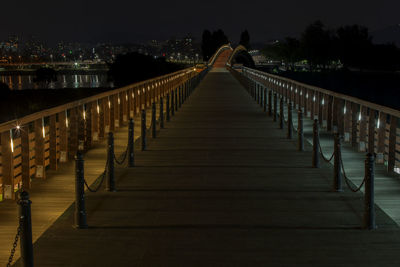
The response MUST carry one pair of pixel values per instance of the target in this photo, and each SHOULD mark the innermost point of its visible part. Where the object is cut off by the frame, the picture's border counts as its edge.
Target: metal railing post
(290, 121)
(167, 106)
(26, 245)
(176, 99)
(265, 99)
(172, 104)
(180, 96)
(110, 185)
(161, 113)
(275, 106)
(153, 120)
(315, 155)
(270, 102)
(131, 142)
(337, 174)
(300, 131)
(143, 128)
(80, 210)
(281, 118)
(369, 212)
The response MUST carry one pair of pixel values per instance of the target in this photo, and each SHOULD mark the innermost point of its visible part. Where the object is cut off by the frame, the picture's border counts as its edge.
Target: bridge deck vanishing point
(221, 186)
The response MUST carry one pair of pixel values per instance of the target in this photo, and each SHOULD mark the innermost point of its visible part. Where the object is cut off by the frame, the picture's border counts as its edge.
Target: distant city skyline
(119, 21)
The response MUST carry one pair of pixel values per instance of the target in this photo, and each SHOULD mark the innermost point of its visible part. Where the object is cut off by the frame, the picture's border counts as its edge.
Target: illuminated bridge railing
(367, 126)
(32, 144)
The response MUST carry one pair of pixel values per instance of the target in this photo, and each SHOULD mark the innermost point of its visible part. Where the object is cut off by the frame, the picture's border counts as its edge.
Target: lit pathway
(221, 186)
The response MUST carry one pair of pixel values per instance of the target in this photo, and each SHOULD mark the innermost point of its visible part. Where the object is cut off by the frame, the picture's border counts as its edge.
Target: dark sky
(121, 20)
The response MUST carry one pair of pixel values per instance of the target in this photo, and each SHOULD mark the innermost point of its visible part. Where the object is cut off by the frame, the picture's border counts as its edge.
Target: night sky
(130, 21)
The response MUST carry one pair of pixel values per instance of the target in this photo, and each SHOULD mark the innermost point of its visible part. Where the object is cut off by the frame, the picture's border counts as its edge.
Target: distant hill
(389, 34)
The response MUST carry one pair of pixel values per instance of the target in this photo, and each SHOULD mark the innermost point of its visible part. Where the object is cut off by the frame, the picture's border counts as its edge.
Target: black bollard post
(131, 142)
(25, 224)
(153, 120)
(270, 102)
(275, 106)
(143, 128)
(281, 118)
(300, 132)
(315, 155)
(167, 106)
(369, 212)
(290, 121)
(337, 174)
(80, 210)
(161, 113)
(110, 185)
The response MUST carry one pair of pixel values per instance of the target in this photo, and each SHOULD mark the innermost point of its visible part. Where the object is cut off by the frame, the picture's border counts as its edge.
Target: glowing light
(307, 95)
(323, 101)
(126, 97)
(133, 95)
(119, 101)
(301, 92)
(359, 116)
(11, 141)
(144, 90)
(18, 127)
(313, 99)
(295, 91)
(43, 129)
(66, 118)
(378, 123)
(344, 110)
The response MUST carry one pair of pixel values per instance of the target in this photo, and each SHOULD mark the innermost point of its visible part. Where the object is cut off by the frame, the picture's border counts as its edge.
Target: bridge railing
(367, 126)
(35, 143)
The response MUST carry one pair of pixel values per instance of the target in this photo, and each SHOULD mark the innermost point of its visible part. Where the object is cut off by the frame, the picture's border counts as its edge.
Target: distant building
(258, 57)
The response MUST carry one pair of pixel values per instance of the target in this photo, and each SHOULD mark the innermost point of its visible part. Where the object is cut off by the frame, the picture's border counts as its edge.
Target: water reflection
(21, 82)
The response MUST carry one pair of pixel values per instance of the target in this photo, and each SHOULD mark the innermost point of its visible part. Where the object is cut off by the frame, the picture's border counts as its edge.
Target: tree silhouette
(134, 67)
(206, 45)
(245, 39)
(316, 43)
(46, 76)
(211, 42)
(353, 43)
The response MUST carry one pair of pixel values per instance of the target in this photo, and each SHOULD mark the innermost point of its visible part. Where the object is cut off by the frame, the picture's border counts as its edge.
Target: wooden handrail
(361, 102)
(6, 126)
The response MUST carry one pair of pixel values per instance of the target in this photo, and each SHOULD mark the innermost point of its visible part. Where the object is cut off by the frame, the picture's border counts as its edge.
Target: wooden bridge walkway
(220, 186)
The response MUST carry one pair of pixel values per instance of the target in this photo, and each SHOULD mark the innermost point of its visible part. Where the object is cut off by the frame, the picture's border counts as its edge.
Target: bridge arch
(216, 55)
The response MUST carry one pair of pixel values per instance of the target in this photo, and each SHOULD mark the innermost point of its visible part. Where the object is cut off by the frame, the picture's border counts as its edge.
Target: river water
(22, 82)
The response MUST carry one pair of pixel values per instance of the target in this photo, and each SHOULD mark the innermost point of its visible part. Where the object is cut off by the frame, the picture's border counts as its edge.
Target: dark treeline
(351, 46)
(134, 67)
(211, 42)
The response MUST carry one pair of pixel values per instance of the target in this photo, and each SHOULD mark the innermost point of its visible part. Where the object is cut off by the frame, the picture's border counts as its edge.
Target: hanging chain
(14, 246)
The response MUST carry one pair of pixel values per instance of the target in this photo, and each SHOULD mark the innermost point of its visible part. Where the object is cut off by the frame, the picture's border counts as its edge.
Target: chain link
(14, 246)
(122, 158)
(347, 180)
(322, 154)
(101, 176)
